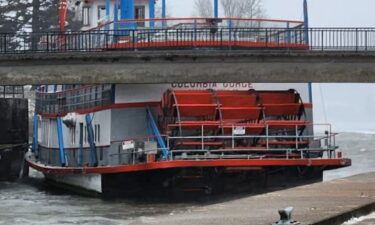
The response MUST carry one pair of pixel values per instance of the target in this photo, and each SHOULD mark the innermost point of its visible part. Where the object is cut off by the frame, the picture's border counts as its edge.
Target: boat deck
(170, 164)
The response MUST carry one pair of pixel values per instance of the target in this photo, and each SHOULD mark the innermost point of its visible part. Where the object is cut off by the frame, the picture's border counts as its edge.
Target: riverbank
(332, 202)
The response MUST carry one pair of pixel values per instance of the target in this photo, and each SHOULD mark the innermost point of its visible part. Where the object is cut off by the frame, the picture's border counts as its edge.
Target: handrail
(224, 38)
(328, 136)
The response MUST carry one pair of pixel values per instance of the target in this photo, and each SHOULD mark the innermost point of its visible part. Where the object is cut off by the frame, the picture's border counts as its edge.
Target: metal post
(202, 137)
(47, 42)
(5, 43)
(287, 33)
(195, 31)
(297, 146)
(171, 153)
(81, 144)
(356, 39)
(232, 137)
(60, 138)
(306, 21)
(366, 40)
(90, 136)
(230, 32)
(322, 31)
(163, 12)
(35, 132)
(267, 141)
(151, 5)
(216, 8)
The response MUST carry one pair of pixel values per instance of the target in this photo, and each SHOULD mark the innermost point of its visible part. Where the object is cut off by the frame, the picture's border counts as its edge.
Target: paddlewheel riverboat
(191, 137)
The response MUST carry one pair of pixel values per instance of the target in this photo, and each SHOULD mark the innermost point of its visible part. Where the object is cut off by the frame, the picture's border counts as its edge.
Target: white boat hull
(88, 182)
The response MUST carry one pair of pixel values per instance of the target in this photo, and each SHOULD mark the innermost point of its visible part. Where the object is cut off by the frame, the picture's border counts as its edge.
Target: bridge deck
(187, 66)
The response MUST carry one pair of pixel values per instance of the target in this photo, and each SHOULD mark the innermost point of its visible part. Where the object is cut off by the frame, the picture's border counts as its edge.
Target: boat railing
(12, 91)
(73, 100)
(313, 145)
(321, 145)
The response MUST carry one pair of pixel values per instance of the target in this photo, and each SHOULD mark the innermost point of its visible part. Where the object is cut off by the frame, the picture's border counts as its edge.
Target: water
(360, 147)
(363, 220)
(31, 202)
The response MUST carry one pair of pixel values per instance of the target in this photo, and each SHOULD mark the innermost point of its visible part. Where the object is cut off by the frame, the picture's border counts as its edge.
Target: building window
(101, 12)
(139, 14)
(86, 16)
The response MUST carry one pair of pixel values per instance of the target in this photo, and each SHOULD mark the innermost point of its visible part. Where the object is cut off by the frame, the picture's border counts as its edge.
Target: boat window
(95, 132)
(85, 134)
(81, 134)
(98, 133)
(72, 135)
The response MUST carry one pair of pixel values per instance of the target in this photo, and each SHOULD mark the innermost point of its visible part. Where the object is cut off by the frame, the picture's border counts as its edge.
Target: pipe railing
(328, 146)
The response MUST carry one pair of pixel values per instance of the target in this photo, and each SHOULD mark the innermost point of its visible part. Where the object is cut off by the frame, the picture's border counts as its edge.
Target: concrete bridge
(187, 66)
(185, 55)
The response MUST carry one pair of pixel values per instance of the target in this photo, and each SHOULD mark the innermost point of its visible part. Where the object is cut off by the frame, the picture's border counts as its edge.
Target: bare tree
(203, 8)
(242, 8)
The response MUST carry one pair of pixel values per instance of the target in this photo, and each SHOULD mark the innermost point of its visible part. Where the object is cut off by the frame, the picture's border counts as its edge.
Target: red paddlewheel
(191, 112)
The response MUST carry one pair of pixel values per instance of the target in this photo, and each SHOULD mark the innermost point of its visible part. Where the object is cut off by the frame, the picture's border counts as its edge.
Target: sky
(323, 13)
(349, 107)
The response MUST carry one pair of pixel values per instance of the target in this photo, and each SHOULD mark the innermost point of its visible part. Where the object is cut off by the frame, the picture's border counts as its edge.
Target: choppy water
(30, 202)
(361, 149)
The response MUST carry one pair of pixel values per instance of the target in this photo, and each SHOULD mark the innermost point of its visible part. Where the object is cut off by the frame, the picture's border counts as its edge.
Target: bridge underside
(186, 66)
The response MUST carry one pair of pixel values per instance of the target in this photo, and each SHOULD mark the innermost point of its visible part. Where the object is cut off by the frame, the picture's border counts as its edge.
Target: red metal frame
(210, 43)
(297, 22)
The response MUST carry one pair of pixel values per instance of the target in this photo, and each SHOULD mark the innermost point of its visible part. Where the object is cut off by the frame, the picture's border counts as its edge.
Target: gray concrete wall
(187, 66)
